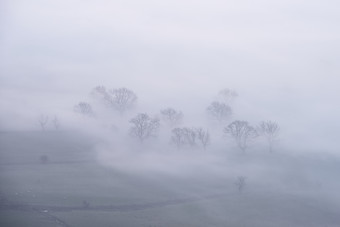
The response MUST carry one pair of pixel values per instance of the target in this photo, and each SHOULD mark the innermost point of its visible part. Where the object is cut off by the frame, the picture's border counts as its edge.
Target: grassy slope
(284, 193)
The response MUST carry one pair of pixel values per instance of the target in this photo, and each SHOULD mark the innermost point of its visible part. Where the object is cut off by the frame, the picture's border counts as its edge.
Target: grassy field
(74, 188)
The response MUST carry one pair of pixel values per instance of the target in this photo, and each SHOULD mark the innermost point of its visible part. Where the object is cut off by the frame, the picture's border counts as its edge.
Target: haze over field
(281, 58)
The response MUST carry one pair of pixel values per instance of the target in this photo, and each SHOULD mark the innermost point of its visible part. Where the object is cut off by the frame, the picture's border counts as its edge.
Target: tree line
(144, 127)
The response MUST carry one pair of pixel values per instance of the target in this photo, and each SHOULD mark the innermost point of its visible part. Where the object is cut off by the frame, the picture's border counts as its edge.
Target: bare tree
(43, 120)
(189, 136)
(203, 137)
(240, 183)
(171, 116)
(177, 137)
(219, 111)
(242, 132)
(144, 127)
(227, 95)
(121, 99)
(84, 108)
(270, 130)
(99, 92)
(184, 137)
(56, 123)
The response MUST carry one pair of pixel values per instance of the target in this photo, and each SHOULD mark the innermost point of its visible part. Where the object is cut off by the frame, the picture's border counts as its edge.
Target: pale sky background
(281, 56)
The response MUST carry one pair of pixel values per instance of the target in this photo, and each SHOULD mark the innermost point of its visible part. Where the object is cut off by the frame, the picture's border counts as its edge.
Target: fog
(281, 58)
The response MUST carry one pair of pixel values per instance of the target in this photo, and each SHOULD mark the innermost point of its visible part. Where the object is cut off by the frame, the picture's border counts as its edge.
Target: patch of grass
(23, 218)
(270, 198)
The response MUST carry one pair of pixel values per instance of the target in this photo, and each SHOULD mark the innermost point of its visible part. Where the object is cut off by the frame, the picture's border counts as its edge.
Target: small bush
(86, 204)
(44, 159)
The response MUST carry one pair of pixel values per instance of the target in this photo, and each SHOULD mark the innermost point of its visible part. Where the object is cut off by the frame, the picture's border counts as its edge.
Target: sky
(280, 56)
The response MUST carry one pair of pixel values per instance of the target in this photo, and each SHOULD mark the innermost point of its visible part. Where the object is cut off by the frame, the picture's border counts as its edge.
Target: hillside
(75, 185)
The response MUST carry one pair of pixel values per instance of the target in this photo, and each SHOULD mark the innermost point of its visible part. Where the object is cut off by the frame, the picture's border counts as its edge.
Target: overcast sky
(281, 56)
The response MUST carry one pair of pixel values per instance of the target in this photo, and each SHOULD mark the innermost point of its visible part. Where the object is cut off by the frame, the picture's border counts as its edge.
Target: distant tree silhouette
(144, 127)
(177, 137)
(119, 99)
(56, 123)
(43, 120)
(190, 137)
(242, 132)
(203, 137)
(84, 108)
(227, 96)
(99, 92)
(270, 130)
(240, 183)
(219, 111)
(171, 116)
